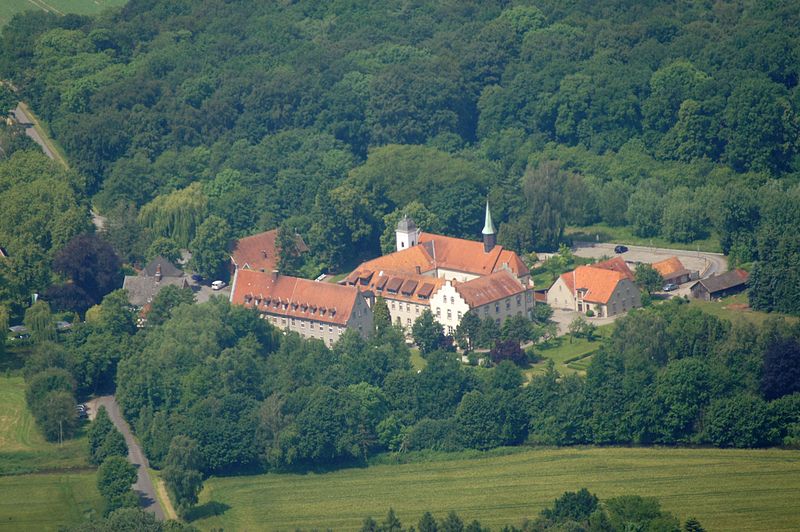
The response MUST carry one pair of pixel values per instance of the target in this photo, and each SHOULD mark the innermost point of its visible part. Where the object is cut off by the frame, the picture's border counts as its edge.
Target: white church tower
(407, 233)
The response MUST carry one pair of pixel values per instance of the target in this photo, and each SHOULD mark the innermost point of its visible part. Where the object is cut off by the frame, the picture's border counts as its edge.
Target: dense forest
(248, 398)
(678, 120)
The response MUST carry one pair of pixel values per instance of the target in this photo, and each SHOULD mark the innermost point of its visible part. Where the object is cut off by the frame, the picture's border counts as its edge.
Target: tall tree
(209, 248)
(182, 472)
(427, 333)
(40, 322)
(91, 263)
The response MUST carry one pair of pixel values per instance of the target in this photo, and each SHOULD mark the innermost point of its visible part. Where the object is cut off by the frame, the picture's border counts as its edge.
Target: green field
(44, 502)
(22, 447)
(82, 7)
(62, 492)
(724, 489)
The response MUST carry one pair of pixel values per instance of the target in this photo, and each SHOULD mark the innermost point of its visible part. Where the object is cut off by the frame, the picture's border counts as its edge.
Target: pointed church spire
(488, 226)
(488, 232)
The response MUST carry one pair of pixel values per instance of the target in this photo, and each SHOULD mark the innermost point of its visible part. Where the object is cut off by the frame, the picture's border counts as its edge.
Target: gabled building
(407, 295)
(312, 309)
(716, 286)
(604, 291)
(617, 264)
(260, 252)
(456, 259)
(157, 274)
(448, 275)
(672, 270)
(498, 296)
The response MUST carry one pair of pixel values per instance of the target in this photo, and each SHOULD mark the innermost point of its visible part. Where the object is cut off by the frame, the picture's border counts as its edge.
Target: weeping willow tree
(176, 215)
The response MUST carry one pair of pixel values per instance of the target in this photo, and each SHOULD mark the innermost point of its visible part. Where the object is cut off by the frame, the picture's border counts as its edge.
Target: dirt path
(144, 484)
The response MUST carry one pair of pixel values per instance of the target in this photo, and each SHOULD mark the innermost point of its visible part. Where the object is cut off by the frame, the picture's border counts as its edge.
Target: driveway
(564, 317)
(705, 263)
(144, 485)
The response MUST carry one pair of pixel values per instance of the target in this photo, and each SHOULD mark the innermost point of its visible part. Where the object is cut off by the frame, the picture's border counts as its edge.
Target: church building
(448, 275)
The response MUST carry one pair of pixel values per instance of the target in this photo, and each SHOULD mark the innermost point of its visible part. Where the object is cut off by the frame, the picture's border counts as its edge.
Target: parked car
(620, 249)
(196, 277)
(669, 287)
(218, 285)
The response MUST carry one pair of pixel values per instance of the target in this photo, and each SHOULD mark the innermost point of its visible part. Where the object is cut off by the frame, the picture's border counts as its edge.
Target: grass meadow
(23, 449)
(47, 501)
(42, 485)
(9, 8)
(725, 489)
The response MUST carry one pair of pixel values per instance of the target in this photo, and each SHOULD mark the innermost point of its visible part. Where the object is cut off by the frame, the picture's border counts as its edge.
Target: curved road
(144, 485)
(702, 261)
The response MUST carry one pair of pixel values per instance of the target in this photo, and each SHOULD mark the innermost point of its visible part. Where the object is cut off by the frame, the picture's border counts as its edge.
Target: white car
(218, 285)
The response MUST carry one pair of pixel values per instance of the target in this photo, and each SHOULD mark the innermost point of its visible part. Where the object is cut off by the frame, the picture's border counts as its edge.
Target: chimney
(158, 273)
(274, 275)
(418, 270)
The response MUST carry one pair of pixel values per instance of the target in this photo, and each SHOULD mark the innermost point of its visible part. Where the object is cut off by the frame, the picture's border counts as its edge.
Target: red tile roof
(468, 255)
(599, 283)
(400, 286)
(406, 260)
(260, 252)
(617, 264)
(485, 290)
(670, 268)
(294, 297)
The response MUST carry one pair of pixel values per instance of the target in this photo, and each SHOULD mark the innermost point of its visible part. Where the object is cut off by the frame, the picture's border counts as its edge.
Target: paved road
(26, 122)
(706, 263)
(144, 485)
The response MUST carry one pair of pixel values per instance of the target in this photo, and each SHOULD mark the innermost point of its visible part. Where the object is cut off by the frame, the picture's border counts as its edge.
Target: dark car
(669, 287)
(197, 278)
(620, 249)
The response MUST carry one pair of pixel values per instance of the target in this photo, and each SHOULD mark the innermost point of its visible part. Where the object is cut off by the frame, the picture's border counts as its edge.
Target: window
(486, 311)
(311, 325)
(302, 324)
(416, 308)
(438, 312)
(449, 314)
(408, 321)
(508, 304)
(392, 304)
(519, 300)
(497, 308)
(452, 300)
(330, 328)
(459, 315)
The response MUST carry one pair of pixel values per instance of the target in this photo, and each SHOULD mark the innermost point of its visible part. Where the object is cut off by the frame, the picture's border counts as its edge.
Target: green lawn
(724, 489)
(417, 362)
(44, 502)
(735, 308)
(569, 357)
(82, 7)
(22, 447)
(623, 235)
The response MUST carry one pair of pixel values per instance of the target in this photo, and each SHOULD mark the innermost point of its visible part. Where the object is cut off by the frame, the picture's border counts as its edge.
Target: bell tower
(407, 233)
